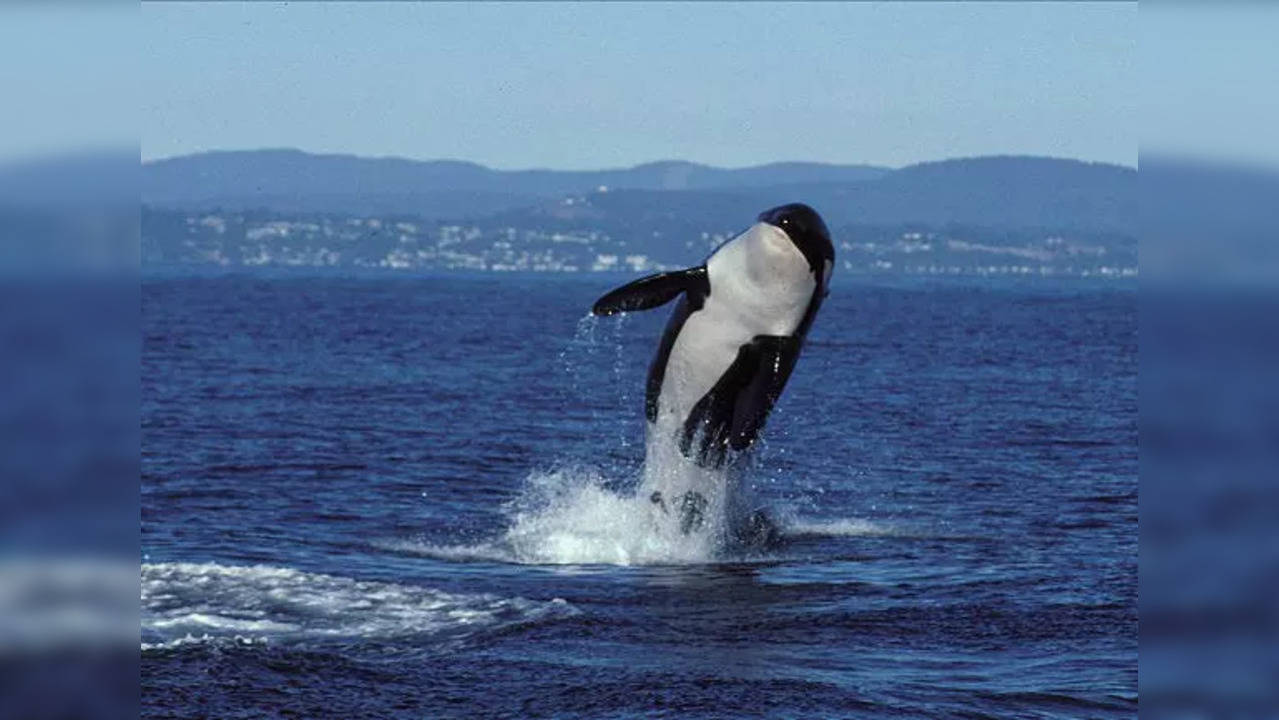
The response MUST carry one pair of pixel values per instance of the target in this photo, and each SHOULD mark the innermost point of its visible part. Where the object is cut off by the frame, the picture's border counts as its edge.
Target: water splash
(577, 516)
(597, 386)
(671, 511)
(620, 380)
(572, 516)
(581, 516)
(576, 358)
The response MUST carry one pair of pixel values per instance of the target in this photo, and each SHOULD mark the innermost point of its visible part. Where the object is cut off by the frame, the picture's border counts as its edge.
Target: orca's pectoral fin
(732, 413)
(776, 357)
(650, 292)
(711, 419)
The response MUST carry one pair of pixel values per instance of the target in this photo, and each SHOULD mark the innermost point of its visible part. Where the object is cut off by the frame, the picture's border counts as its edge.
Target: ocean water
(413, 497)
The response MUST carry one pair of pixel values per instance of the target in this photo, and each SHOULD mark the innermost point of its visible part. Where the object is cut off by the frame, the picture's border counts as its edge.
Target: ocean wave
(202, 640)
(192, 604)
(836, 527)
(478, 552)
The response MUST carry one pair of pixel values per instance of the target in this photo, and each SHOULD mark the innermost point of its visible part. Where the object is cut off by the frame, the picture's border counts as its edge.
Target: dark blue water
(407, 497)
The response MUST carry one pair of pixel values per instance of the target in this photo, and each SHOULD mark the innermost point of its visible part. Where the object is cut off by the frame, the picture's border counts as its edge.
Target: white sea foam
(202, 639)
(186, 603)
(572, 517)
(838, 527)
(575, 516)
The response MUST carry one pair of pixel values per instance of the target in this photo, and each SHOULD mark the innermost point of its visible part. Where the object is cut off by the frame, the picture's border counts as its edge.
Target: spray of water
(672, 511)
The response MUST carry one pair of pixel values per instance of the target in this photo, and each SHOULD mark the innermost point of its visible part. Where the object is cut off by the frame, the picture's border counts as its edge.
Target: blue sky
(613, 84)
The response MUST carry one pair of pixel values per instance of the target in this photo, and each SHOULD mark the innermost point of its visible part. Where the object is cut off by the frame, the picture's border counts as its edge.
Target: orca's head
(806, 230)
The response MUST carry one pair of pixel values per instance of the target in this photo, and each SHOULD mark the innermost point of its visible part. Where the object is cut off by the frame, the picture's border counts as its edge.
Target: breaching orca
(736, 333)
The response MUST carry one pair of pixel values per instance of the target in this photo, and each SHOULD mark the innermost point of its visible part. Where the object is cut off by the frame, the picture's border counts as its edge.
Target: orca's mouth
(775, 239)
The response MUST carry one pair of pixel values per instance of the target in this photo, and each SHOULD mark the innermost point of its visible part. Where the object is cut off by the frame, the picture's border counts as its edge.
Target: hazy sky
(606, 85)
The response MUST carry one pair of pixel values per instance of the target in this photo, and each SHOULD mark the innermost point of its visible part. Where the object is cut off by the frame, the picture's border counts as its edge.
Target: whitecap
(189, 603)
(834, 527)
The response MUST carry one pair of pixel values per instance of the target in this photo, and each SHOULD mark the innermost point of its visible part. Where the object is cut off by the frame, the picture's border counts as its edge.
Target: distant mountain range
(994, 192)
(991, 215)
(985, 215)
(289, 172)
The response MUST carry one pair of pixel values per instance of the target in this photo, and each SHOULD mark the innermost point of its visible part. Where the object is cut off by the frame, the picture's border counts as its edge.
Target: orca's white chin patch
(773, 239)
(769, 260)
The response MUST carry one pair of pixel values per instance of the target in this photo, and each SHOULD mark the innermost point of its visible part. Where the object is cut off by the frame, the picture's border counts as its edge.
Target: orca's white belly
(705, 348)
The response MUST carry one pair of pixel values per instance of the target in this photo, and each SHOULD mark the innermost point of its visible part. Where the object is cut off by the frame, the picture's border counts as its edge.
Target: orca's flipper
(652, 291)
(777, 357)
(732, 413)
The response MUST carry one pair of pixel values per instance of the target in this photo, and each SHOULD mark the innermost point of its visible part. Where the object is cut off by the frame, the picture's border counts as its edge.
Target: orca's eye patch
(790, 218)
(789, 222)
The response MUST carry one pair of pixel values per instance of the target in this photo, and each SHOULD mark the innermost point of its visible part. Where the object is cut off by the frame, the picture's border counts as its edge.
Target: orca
(734, 337)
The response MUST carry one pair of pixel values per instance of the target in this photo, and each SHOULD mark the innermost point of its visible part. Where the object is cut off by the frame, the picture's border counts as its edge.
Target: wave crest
(189, 603)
